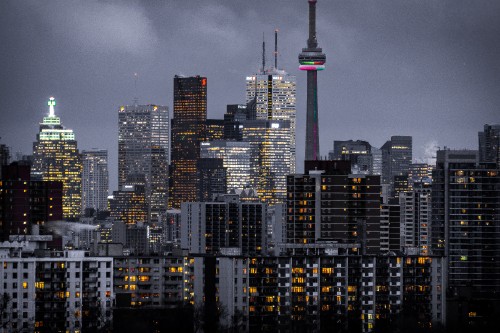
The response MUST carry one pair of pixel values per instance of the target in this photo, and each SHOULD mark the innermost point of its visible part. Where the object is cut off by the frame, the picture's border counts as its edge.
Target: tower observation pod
(312, 60)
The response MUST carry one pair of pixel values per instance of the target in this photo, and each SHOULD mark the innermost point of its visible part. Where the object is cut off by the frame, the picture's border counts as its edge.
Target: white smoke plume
(63, 227)
(430, 149)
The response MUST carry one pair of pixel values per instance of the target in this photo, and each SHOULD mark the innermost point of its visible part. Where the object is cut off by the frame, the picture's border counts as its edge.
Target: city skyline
(427, 70)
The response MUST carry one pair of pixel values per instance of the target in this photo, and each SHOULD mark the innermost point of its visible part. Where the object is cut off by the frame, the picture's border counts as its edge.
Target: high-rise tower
(188, 131)
(95, 180)
(312, 59)
(143, 145)
(56, 158)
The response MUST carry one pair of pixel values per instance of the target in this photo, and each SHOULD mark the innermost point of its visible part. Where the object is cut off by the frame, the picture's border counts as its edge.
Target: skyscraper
(188, 131)
(95, 180)
(274, 91)
(56, 158)
(311, 60)
(396, 159)
(271, 163)
(143, 146)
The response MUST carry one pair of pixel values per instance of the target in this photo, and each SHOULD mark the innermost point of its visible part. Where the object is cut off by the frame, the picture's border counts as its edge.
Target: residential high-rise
(329, 204)
(49, 291)
(227, 222)
(311, 60)
(95, 180)
(489, 144)
(56, 158)
(329, 293)
(416, 219)
(390, 227)
(466, 230)
(143, 149)
(188, 131)
(25, 202)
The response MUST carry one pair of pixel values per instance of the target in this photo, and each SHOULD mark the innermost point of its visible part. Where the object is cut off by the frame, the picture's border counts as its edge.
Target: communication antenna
(276, 49)
(136, 77)
(263, 54)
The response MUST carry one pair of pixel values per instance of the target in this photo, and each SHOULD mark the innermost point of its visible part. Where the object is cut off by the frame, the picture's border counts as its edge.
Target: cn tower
(312, 60)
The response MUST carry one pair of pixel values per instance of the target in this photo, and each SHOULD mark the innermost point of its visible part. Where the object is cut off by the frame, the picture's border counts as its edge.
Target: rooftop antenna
(276, 49)
(136, 99)
(263, 54)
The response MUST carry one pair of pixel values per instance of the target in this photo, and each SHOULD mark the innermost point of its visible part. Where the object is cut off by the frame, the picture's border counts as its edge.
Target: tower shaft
(312, 127)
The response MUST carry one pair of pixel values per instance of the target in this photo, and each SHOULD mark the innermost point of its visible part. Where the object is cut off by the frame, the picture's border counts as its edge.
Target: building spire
(136, 99)
(51, 104)
(312, 42)
(276, 49)
(263, 54)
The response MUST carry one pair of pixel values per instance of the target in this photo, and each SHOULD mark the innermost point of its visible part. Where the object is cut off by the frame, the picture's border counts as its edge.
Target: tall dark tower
(312, 60)
(188, 131)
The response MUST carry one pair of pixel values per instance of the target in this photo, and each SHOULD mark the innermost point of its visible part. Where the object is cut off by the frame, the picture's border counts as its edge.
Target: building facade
(228, 222)
(236, 158)
(328, 204)
(61, 291)
(323, 293)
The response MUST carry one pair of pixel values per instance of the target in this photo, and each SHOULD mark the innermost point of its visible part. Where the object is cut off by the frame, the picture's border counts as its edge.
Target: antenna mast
(263, 54)
(136, 99)
(276, 49)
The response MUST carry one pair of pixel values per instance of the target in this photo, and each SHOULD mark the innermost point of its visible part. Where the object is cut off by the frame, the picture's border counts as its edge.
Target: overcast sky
(425, 68)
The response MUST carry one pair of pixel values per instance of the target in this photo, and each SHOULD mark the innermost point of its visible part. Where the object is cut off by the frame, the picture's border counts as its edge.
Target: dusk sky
(426, 68)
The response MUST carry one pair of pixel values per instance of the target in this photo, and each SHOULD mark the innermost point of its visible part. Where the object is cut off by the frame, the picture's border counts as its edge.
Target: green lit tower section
(56, 158)
(312, 59)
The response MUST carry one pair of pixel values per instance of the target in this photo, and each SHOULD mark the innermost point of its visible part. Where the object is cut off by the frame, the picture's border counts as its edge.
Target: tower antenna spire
(276, 49)
(263, 54)
(136, 77)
